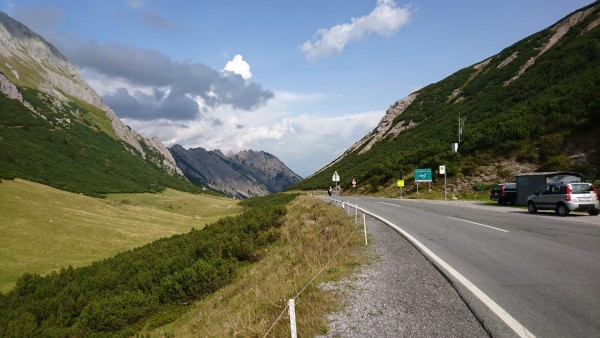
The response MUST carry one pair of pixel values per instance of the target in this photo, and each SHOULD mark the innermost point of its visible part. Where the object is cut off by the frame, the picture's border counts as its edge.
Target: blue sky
(303, 80)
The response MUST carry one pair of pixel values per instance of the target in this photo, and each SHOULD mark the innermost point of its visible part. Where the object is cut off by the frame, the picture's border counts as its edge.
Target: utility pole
(461, 123)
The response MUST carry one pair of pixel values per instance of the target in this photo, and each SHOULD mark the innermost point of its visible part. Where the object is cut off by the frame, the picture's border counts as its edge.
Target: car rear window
(581, 188)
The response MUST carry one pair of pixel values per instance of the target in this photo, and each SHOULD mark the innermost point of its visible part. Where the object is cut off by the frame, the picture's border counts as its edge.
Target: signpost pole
(445, 196)
(443, 171)
(336, 179)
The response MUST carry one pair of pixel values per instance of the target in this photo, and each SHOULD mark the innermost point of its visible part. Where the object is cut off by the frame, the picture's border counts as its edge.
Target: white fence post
(365, 226)
(292, 309)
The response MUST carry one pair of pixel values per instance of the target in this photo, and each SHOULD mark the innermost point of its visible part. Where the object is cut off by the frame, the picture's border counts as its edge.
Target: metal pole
(445, 188)
(365, 227)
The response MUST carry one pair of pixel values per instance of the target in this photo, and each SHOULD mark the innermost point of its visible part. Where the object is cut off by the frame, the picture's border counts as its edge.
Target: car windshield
(581, 188)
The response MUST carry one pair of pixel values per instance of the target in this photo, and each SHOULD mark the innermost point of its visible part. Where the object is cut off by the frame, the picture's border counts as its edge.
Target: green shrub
(479, 187)
(115, 296)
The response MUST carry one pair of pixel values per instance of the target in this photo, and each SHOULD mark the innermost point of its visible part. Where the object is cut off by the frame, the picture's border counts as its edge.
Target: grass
(43, 229)
(312, 233)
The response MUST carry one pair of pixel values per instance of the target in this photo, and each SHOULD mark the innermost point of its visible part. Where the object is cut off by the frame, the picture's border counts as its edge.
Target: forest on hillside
(549, 116)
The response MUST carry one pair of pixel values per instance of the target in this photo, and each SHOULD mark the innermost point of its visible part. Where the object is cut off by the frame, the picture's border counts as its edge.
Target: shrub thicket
(115, 296)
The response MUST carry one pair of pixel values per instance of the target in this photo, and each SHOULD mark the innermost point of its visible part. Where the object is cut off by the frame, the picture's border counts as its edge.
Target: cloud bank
(154, 86)
(386, 19)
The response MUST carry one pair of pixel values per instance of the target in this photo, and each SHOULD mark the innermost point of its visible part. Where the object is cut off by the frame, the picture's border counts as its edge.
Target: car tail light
(568, 192)
(503, 193)
(595, 192)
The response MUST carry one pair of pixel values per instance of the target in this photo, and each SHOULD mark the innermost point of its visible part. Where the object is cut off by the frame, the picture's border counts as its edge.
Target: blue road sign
(423, 175)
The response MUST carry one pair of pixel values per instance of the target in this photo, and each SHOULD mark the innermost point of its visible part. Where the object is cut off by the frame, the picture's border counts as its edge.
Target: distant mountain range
(245, 174)
(533, 106)
(54, 129)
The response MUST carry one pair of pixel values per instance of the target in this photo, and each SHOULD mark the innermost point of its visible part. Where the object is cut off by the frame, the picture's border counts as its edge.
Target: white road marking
(483, 225)
(517, 327)
(394, 205)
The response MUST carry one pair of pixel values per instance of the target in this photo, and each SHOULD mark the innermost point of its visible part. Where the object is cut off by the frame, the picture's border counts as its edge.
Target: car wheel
(500, 202)
(531, 208)
(594, 212)
(562, 210)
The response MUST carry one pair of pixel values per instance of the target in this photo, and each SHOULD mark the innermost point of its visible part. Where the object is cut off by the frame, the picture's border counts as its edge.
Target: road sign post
(423, 175)
(443, 171)
(336, 179)
(401, 184)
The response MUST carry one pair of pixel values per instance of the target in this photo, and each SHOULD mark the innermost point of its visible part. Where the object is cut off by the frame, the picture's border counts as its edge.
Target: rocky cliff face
(267, 168)
(27, 60)
(245, 174)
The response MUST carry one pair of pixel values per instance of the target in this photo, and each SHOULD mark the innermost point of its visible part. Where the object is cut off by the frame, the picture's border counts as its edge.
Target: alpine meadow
(105, 232)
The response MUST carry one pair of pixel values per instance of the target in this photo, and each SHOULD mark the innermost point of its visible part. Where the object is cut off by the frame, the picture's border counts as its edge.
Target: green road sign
(423, 175)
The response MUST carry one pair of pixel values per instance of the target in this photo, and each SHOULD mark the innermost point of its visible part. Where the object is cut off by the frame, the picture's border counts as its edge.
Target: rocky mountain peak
(30, 61)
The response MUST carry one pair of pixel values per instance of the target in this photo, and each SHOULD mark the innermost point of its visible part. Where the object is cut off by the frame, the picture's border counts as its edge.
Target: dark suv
(504, 193)
(565, 197)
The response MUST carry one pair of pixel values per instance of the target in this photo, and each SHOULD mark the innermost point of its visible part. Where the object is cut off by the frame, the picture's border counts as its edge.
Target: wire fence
(343, 204)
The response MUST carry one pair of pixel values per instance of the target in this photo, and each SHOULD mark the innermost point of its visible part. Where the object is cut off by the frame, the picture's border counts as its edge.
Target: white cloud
(238, 66)
(304, 141)
(384, 20)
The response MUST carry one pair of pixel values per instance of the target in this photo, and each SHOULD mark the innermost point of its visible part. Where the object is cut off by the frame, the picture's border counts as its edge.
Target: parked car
(564, 198)
(504, 193)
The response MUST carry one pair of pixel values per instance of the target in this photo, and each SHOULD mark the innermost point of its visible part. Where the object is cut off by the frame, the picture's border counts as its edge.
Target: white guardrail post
(292, 310)
(365, 226)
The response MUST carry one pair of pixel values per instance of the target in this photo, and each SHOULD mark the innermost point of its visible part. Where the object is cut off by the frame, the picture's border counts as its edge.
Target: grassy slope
(548, 114)
(43, 229)
(312, 233)
(70, 149)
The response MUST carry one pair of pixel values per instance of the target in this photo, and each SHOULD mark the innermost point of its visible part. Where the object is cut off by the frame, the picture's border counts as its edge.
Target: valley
(44, 229)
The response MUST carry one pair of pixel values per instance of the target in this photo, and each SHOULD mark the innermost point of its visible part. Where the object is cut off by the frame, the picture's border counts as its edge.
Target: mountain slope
(55, 129)
(536, 102)
(267, 168)
(246, 174)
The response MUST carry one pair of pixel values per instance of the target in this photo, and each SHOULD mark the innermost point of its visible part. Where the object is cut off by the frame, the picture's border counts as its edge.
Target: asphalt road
(521, 274)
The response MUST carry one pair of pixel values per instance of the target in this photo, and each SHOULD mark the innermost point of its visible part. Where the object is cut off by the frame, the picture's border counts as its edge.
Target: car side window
(544, 190)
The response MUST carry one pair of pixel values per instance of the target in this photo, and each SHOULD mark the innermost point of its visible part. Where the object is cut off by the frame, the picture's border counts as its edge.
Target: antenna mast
(461, 123)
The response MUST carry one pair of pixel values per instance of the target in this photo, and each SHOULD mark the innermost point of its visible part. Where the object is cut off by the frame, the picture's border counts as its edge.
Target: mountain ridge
(244, 174)
(29, 51)
(55, 100)
(533, 103)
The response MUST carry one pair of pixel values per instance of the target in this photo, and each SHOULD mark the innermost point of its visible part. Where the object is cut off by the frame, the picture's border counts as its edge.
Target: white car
(564, 198)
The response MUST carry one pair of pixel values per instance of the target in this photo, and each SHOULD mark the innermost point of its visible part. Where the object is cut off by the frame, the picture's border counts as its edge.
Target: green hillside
(548, 116)
(44, 229)
(72, 147)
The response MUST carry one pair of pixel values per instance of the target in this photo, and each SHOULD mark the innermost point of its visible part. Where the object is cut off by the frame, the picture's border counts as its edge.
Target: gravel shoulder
(399, 294)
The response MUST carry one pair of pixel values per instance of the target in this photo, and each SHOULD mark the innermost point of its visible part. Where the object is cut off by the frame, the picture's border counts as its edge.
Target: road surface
(522, 274)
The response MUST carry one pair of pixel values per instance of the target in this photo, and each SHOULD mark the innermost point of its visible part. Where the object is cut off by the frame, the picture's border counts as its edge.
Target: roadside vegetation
(268, 253)
(311, 235)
